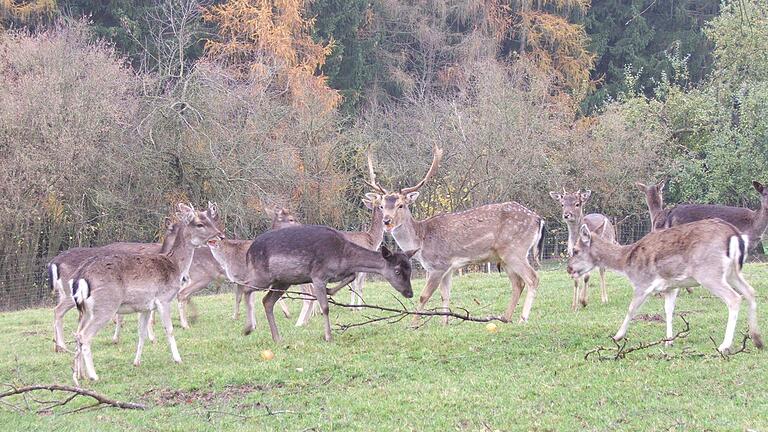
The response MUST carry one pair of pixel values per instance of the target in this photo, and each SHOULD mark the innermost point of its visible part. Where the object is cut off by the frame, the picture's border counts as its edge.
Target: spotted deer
(573, 215)
(302, 254)
(370, 239)
(504, 233)
(132, 283)
(751, 223)
(709, 253)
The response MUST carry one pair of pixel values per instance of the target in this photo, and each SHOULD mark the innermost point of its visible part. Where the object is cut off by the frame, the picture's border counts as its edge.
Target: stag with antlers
(504, 233)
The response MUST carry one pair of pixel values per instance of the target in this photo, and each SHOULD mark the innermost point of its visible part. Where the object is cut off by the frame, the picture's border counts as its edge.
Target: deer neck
(410, 234)
(376, 230)
(655, 205)
(573, 233)
(760, 220)
(231, 257)
(181, 253)
(608, 255)
(362, 260)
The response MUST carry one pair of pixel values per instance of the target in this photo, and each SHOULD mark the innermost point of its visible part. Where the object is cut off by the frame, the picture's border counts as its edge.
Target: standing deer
(303, 254)
(573, 215)
(655, 202)
(750, 222)
(124, 284)
(370, 239)
(708, 252)
(503, 232)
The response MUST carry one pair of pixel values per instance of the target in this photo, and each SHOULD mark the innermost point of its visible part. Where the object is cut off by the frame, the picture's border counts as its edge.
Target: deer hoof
(247, 331)
(757, 340)
(523, 320)
(59, 348)
(725, 350)
(668, 343)
(137, 363)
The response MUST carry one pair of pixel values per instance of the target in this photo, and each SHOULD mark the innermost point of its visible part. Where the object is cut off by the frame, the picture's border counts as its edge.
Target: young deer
(750, 222)
(655, 202)
(504, 232)
(303, 254)
(370, 239)
(573, 215)
(709, 252)
(137, 283)
(63, 267)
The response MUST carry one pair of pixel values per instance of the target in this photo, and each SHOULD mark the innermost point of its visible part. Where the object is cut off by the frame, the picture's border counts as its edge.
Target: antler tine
(437, 155)
(372, 175)
(564, 192)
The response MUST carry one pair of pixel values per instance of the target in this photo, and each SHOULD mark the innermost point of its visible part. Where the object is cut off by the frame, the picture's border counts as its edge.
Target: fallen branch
(728, 355)
(620, 351)
(100, 400)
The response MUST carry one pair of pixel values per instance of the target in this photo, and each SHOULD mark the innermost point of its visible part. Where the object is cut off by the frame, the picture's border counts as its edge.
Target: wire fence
(24, 279)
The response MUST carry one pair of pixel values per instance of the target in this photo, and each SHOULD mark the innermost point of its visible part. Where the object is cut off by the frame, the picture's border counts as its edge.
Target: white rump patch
(733, 248)
(83, 291)
(54, 272)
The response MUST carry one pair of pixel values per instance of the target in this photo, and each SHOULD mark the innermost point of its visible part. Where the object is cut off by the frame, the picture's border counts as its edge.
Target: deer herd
(689, 245)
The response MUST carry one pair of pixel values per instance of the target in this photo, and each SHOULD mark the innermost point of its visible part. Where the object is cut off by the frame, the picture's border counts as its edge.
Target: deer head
(395, 205)
(763, 191)
(653, 192)
(281, 217)
(398, 270)
(200, 227)
(582, 259)
(572, 203)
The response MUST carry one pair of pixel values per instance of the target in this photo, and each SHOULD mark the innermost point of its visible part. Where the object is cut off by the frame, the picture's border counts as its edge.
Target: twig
(100, 399)
(728, 355)
(620, 351)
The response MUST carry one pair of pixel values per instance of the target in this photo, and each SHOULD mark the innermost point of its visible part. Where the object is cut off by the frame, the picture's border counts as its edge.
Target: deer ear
(411, 253)
(555, 196)
(213, 210)
(758, 187)
(368, 204)
(411, 197)
(641, 186)
(660, 185)
(585, 195)
(186, 212)
(373, 197)
(585, 235)
(167, 223)
(385, 252)
(270, 211)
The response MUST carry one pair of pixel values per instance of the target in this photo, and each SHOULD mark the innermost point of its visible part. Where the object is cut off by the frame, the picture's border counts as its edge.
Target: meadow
(388, 376)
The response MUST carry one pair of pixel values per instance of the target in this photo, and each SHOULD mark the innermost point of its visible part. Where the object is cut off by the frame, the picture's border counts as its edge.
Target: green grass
(390, 377)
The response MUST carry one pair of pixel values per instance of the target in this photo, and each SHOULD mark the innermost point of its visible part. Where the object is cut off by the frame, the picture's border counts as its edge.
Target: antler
(437, 155)
(372, 174)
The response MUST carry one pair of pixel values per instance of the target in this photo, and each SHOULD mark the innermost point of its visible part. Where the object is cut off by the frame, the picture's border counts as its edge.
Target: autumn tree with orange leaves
(269, 41)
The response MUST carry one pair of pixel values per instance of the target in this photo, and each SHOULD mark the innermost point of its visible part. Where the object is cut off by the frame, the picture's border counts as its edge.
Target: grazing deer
(708, 252)
(504, 232)
(573, 215)
(205, 269)
(370, 239)
(750, 222)
(303, 254)
(655, 202)
(112, 284)
(64, 266)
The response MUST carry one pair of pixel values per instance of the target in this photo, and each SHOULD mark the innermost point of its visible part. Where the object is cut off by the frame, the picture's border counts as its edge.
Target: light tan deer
(573, 215)
(655, 200)
(503, 233)
(709, 252)
(133, 283)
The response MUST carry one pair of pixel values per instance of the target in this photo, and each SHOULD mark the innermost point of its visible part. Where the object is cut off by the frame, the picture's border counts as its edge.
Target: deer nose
(567, 216)
(387, 221)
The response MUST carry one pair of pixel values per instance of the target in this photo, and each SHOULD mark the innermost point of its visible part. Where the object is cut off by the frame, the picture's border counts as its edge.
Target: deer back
(739, 217)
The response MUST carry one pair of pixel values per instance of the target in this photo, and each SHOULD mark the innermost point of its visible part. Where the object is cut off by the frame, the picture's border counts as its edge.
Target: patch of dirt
(172, 397)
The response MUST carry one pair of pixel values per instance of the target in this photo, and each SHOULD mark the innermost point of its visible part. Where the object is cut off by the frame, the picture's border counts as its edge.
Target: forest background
(113, 111)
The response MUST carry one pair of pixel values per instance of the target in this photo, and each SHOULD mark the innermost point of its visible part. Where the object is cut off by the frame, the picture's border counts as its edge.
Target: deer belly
(682, 282)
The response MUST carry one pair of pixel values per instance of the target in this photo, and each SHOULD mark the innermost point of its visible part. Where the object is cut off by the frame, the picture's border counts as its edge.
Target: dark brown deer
(112, 284)
(709, 253)
(503, 233)
(308, 253)
(573, 215)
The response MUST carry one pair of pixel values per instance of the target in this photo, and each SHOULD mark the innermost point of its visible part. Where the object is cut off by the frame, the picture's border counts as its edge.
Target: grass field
(391, 377)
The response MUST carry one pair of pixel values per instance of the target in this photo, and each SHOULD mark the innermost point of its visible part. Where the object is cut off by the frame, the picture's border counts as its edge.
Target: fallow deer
(708, 252)
(370, 239)
(503, 232)
(303, 254)
(573, 215)
(655, 201)
(751, 223)
(133, 283)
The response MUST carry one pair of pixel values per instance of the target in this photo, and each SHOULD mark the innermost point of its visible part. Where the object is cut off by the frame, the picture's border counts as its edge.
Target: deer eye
(200, 225)
(397, 272)
(400, 206)
(577, 205)
(575, 252)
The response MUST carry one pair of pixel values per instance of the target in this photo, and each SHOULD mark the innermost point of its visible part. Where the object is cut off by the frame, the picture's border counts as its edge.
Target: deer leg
(445, 294)
(307, 303)
(357, 291)
(93, 321)
(143, 325)
(119, 319)
(524, 270)
(603, 290)
(744, 288)
(318, 287)
(517, 289)
(165, 316)
(64, 305)
(575, 300)
(238, 297)
(151, 327)
(182, 311)
(250, 317)
(269, 300)
(732, 300)
(638, 298)
(669, 310)
(284, 308)
(584, 293)
(433, 280)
